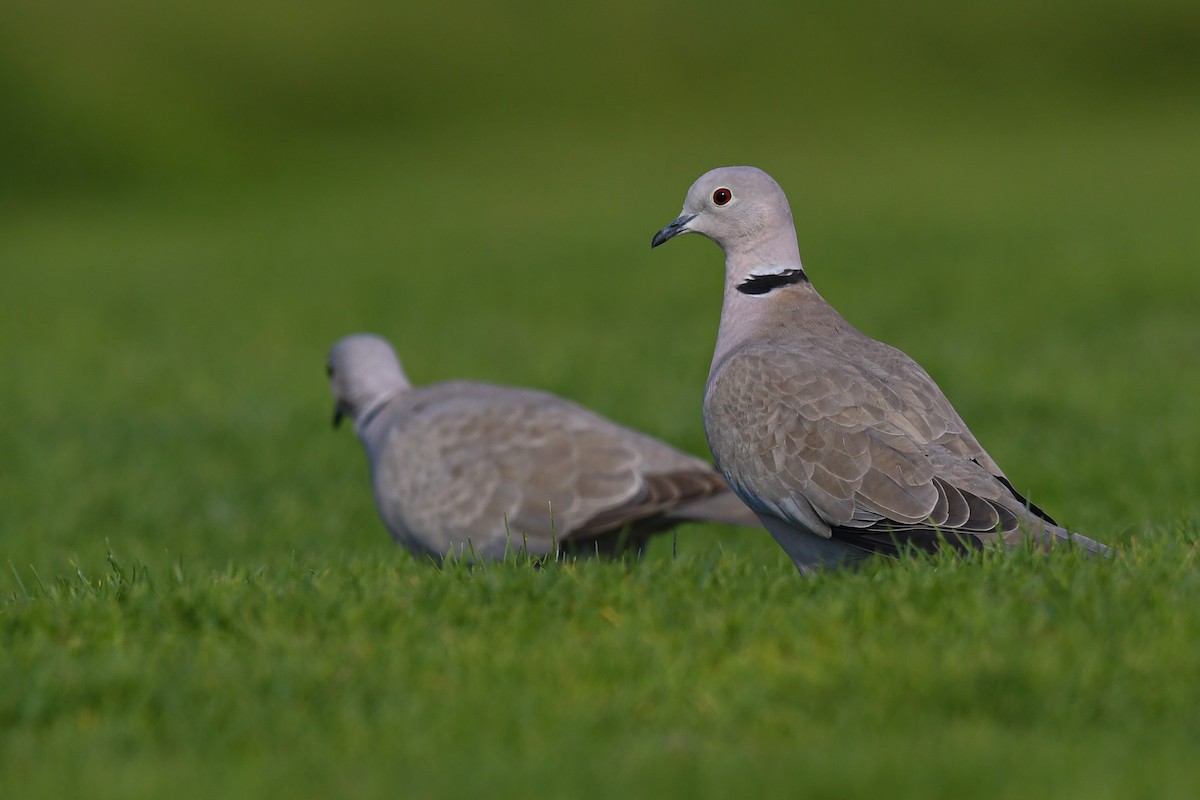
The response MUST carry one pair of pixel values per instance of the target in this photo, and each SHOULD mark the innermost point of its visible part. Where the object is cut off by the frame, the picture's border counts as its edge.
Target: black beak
(339, 414)
(674, 229)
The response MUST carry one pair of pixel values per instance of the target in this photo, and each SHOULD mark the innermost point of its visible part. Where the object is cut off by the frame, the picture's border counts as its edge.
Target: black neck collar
(762, 284)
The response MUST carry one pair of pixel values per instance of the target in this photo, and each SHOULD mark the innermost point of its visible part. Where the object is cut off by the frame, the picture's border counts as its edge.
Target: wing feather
(870, 444)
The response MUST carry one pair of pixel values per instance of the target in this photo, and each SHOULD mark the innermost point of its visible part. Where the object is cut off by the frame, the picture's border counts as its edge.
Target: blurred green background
(196, 199)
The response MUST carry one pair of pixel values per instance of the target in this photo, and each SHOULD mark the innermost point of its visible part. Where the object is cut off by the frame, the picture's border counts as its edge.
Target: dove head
(364, 373)
(744, 211)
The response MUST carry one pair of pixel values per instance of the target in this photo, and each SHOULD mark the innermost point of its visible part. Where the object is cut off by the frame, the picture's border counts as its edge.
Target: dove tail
(1056, 536)
(725, 508)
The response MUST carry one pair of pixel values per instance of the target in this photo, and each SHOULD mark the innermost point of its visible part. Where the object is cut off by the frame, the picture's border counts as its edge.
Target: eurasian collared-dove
(842, 445)
(478, 470)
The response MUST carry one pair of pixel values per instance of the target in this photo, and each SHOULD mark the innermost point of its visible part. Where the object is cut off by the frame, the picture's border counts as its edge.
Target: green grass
(196, 594)
(362, 676)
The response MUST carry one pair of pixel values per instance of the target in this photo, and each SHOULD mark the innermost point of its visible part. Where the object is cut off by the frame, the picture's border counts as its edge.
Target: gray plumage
(475, 469)
(843, 446)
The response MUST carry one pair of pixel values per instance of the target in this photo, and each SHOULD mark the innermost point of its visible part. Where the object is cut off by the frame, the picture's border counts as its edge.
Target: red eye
(722, 196)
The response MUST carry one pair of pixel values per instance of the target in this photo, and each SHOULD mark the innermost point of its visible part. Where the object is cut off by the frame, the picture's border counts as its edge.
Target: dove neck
(757, 303)
(371, 421)
(764, 249)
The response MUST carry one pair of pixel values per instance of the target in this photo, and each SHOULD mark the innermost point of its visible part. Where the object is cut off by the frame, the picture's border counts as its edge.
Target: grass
(355, 676)
(196, 594)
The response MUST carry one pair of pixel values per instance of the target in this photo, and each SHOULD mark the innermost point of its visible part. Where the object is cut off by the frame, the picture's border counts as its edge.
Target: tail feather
(1056, 536)
(725, 508)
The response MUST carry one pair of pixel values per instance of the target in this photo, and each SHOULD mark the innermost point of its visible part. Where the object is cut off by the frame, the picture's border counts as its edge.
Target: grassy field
(196, 595)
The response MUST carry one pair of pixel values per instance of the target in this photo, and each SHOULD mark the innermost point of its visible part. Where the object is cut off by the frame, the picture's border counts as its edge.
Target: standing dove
(477, 470)
(843, 446)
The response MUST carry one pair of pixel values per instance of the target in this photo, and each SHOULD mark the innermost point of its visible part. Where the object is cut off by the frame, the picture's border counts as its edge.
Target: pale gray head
(364, 373)
(744, 211)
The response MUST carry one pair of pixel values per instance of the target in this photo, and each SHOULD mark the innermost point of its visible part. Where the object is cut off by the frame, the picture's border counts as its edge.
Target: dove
(475, 470)
(842, 445)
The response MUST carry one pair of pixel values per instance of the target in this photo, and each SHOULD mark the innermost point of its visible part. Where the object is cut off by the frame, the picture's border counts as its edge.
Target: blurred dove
(477, 470)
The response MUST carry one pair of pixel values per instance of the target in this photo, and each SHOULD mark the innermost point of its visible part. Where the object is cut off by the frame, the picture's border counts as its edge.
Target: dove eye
(722, 196)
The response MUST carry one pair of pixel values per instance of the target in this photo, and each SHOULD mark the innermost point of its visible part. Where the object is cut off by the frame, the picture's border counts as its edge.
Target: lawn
(196, 594)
